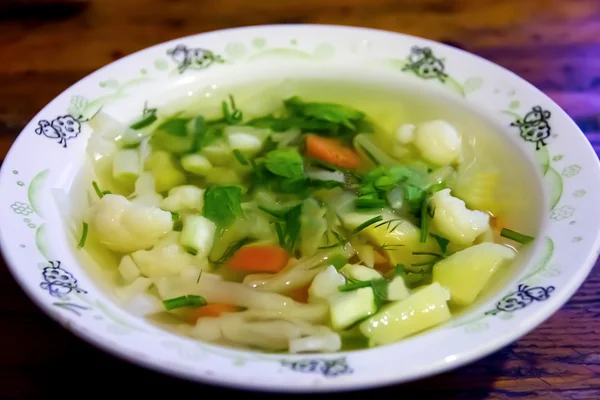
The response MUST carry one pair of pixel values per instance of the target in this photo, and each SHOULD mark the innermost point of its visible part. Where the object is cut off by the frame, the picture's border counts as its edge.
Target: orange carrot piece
(331, 151)
(300, 294)
(379, 258)
(211, 310)
(259, 259)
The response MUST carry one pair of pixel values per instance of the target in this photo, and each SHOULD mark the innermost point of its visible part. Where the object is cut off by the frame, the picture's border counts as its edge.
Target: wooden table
(554, 44)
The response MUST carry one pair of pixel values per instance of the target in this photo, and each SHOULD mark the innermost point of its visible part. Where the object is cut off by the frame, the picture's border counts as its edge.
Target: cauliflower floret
(454, 221)
(167, 258)
(123, 226)
(145, 191)
(405, 134)
(325, 284)
(438, 142)
(184, 198)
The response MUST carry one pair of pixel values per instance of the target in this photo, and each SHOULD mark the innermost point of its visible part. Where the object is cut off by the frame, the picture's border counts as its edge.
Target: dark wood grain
(554, 44)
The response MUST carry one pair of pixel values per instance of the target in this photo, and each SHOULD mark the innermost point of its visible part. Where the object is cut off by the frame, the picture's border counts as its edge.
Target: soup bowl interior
(550, 181)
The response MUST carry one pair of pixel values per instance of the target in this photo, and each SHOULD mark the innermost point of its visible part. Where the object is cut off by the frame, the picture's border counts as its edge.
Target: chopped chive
(354, 285)
(370, 203)
(192, 251)
(177, 223)
(97, 189)
(516, 236)
(83, 235)
(199, 276)
(190, 300)
(240, 157)
(147, 119)
(424, 222)
(367, 223)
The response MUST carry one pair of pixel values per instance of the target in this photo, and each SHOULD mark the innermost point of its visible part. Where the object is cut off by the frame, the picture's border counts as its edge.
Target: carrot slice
(259, 259)
(211, 310)
(331, 151)
(300, 294)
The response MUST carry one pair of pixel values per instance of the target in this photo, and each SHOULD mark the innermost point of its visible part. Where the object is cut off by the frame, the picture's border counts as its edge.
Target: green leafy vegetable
(330, 112)
(84, 233)
(175, 127)
(286, 162)
(321, 118)
(222, 204)
(190, 300)
(204, 132)
(288, 228)
(516, 236)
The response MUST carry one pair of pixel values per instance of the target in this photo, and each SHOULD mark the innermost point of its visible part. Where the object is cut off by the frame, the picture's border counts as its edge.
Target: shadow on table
(40, 9)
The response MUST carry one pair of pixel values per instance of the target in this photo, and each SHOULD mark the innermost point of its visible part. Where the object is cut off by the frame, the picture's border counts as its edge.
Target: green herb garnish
(442, 242)
(379, 286)
(288, 228)
(190, 300)
(286, 162)
(231, 114)
(177, 223)
(148, 117)
(516, 236)
(223, 204)
(99, 192)
(175, 127)
(240, 157)
(348, 287)
(424, 222)
(232, 249)
(367, 223)
(84, 233)
(365, 202)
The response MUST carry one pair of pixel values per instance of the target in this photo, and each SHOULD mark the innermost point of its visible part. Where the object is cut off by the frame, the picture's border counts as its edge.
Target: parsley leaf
(286, 162)
(288, 228)
(223, 204)
(329, 112)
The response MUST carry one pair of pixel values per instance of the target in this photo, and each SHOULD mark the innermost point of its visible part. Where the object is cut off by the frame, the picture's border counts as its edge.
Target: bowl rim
(536, 319)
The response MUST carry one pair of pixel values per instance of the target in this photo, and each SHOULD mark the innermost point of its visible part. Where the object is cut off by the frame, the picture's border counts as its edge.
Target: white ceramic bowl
(50, 150)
